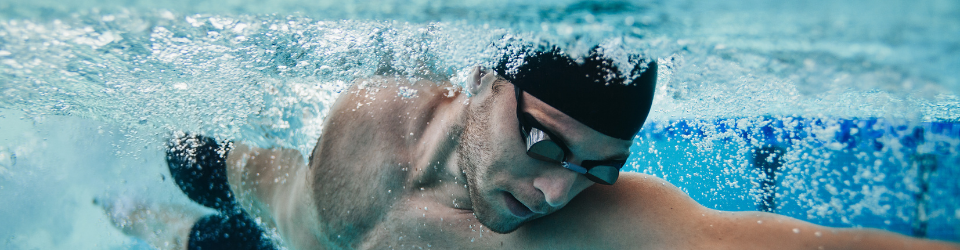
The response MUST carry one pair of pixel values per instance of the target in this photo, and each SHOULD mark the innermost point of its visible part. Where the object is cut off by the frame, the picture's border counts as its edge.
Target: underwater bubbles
(821, 110)
(7, 160)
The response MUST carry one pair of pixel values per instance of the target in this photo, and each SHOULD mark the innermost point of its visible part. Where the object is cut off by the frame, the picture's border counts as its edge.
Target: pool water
(839, 113)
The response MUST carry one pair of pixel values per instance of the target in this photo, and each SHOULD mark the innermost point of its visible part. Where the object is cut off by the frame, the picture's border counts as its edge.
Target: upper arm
(256, 174)
(646, 212)
(757, 230)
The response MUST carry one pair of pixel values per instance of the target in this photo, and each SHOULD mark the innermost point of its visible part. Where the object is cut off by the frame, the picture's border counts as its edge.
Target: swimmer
(527, 155)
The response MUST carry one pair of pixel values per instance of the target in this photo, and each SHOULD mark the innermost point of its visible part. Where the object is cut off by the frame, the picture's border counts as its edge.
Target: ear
(480, 79)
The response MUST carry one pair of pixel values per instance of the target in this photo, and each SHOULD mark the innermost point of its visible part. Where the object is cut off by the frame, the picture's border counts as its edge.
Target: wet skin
(446, 170)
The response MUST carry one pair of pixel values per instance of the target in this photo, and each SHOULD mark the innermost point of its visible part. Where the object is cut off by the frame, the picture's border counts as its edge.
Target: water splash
(841, 86)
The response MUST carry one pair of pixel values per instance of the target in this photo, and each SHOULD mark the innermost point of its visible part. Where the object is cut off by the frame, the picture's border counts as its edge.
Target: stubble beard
(475, 162)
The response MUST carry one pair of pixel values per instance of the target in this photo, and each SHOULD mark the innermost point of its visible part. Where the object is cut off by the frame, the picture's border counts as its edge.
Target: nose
(557, 186)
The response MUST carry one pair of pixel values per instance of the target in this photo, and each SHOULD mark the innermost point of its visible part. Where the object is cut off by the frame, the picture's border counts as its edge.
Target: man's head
(589, 108)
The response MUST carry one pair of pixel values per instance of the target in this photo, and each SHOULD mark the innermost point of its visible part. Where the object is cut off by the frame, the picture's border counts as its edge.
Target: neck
(436, 174)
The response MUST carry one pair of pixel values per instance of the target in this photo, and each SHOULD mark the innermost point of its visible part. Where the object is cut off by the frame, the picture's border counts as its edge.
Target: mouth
(516, 207)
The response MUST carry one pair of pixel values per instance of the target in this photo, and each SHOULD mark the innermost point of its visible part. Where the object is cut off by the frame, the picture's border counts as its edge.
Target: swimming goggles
(541, 147)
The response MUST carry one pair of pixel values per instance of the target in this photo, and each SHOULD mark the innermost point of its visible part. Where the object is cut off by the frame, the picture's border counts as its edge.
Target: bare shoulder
(370, 138)
(385, 113)
(635, 195)
(387, 105)
(639, 211)
(388, 94)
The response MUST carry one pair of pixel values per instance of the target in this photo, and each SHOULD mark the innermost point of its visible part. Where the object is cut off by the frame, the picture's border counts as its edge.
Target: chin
(501, 225)
(506, 229)
(498, 221)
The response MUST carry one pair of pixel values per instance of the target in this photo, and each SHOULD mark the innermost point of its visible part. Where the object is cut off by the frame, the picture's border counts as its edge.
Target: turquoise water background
(859, 95)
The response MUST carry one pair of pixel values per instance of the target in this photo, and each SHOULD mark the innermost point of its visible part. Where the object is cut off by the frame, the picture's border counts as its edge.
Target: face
(507, 187)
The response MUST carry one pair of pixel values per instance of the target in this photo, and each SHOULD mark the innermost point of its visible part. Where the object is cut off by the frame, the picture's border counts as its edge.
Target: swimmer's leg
(198, 166)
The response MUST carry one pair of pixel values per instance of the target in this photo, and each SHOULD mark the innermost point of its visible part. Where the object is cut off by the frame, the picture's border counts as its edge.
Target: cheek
(493, 135)
(508, 154)
(492, 160)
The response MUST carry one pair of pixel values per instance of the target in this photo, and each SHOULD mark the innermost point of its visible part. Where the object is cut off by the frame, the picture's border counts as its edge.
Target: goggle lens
(603, 174)
(540, 147)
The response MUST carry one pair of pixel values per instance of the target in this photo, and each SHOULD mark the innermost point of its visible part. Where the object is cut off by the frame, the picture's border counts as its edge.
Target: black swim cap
(594, 92)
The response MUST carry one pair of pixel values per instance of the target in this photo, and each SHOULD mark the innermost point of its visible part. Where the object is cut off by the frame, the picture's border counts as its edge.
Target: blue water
(836, 172)
(858, 95)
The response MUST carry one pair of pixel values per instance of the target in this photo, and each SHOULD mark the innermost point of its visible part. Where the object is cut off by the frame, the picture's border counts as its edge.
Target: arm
(740, 230)
(261, 170)
(684, 223)
(256, 175)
